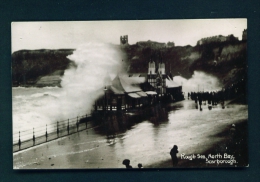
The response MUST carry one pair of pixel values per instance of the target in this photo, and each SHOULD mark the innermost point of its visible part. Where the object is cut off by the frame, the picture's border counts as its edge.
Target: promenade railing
(42, 134)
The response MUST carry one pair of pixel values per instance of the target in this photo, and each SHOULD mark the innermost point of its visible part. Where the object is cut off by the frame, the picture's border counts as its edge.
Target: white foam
(199, 81)
(36, 107)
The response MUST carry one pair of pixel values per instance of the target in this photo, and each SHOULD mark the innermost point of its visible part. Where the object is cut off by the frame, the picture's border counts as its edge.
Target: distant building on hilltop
(244, 35)
(170, 44)
(124, 40)
(151, 44)
(218, 38)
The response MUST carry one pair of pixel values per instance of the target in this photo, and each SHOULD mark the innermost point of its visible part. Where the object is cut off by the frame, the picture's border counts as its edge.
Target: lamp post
(105, 89)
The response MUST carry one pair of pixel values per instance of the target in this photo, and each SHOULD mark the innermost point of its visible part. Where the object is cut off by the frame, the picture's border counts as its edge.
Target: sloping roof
(116, 91)
(109, 89)
(127, 84)
(151, 93)
(116, 84)
(171, 84)
(142, 94)
(134, 95)
(135, 75)
(133, 80)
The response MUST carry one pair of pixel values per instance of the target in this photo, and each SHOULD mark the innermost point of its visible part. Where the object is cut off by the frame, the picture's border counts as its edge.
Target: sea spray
(200, 81)
(81, 85)
(85, 83)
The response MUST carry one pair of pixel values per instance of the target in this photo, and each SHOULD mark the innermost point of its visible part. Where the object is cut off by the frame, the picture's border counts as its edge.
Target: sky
(71, 34)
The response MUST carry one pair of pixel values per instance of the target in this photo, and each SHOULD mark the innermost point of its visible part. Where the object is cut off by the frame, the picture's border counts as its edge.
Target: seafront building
(133, 91)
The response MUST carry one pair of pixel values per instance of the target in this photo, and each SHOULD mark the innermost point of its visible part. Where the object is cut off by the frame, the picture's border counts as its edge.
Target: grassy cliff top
(225, 60)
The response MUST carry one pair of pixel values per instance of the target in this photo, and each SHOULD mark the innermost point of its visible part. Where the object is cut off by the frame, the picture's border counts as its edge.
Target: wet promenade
(147, 141)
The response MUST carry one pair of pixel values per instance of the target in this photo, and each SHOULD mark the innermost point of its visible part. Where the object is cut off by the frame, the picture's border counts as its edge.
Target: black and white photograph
(130, 94)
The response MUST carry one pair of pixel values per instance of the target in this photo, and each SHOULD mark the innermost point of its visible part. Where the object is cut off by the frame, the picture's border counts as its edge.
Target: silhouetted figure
(173, 154)
(223, 105)
(232, 139)
(126, 162)
(209, 98)
(140, 166)
(232, 130)
(213, 98)
(200, 100)
(210, 106)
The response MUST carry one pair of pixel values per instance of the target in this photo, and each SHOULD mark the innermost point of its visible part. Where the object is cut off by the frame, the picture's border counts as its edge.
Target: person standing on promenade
(200, 100)
(173, 154)
(126, 162)
(140, 166)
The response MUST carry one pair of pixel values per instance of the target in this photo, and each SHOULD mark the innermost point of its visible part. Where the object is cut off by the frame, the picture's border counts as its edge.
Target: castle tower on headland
(124, 40)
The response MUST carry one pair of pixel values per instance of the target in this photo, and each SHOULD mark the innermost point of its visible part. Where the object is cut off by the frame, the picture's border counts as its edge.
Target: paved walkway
(146, 142)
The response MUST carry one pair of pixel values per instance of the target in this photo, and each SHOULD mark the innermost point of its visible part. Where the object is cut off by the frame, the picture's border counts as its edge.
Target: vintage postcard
(130, 94)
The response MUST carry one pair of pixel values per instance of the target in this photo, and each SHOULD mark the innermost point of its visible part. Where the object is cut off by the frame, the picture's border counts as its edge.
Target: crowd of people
(213, 98)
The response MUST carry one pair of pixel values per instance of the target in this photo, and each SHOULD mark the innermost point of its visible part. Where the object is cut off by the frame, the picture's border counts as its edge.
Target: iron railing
(36, 136)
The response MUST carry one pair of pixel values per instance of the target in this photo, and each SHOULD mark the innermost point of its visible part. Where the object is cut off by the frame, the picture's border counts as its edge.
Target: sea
(34, 108)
